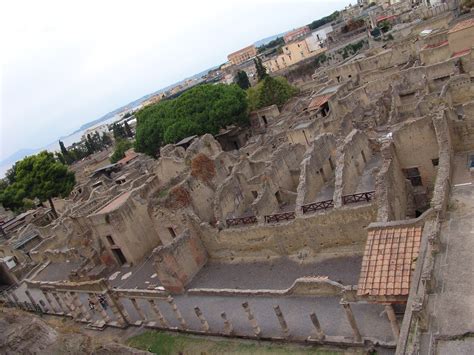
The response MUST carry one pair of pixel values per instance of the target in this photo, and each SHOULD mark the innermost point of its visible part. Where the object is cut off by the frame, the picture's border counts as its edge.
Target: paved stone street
(279, 274)
(451, 307)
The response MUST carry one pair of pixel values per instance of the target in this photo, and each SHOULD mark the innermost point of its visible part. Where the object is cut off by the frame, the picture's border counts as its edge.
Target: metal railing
(240, 221)
(359, 197)
(317, 206)
(275, 218)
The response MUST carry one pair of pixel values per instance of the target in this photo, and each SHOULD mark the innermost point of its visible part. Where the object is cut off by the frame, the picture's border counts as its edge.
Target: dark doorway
(413, 174)
(119, 255)
(236, 145)
(255, 194)
(172, 232)
(265, 122)
(278, 197)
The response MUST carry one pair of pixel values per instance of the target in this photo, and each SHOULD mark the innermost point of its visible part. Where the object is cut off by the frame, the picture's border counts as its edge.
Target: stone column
(10, 299)
(15, 300)
(352, 322)
(281, 320)
(205, 325)
(228, 328)
(61, 303)
(157, 311)
(138, 309)
(32, 300)
(76, 313)
(44, 308)
(319, 334)
(103, 312)
(82, 312)
(393, 321)
(176, 311)
(253, 321)
(117, 308)
(47, 296)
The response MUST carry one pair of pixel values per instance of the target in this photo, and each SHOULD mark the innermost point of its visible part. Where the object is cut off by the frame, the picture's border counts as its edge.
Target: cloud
(66, 63)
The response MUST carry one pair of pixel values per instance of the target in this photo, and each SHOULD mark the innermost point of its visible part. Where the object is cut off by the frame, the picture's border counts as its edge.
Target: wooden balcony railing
(275, 218)
(240, 221)
(360, 197)
(317, 206)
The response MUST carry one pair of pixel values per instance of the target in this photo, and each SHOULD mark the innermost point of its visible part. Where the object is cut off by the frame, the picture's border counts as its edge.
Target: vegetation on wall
(121, 146)
(40, 177)
(270, 91)
(203, 168)
(202, 109)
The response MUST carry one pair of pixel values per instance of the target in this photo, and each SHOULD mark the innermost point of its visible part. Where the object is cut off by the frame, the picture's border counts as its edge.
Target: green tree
(202, 109)
(242, 80)
(119, 131)
(261, 70)
(270, 91)
(128, 130)
(121, 146)
(42, 176)
(67, 158)
(106, 141)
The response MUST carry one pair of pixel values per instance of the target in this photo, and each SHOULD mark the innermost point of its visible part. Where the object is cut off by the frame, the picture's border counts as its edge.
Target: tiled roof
(388, 261)
(436, 45)
(461, 53)
(317, 102)
(462, 25)
(128, 157)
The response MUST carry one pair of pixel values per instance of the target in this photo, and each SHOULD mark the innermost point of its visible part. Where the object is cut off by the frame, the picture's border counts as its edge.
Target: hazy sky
(64, 63)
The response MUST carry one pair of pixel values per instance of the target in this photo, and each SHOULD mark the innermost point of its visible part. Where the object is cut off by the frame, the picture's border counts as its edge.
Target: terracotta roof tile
(318, 101)
(388, 261)
(462, 25)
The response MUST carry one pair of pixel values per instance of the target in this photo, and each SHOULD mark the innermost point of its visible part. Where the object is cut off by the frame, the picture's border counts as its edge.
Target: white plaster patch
(114, 275)
(147, 282)
(161, 288)
(153, 276)
(126, 276)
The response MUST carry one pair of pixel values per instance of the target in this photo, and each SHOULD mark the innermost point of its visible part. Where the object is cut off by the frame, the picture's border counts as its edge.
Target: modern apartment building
(242, 55)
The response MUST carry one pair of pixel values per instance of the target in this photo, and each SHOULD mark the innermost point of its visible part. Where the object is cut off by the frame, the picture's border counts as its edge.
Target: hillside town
(341, 217)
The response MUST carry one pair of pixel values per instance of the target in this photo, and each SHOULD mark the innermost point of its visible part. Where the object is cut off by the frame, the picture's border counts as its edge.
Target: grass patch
(165, 343)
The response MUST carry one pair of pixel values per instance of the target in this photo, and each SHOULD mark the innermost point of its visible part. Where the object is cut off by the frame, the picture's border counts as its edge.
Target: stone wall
(393, 190)
(418, 136)
(351, 161)
(317, 168)
(307, 235)
(178, 262)
(316, 286)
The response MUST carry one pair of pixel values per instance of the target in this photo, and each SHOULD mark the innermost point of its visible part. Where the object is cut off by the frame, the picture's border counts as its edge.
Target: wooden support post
(352, 322)
(253, 322)
(281, 320)
(319, 334)
(204, 323)
(176, 311)
(393, 321)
